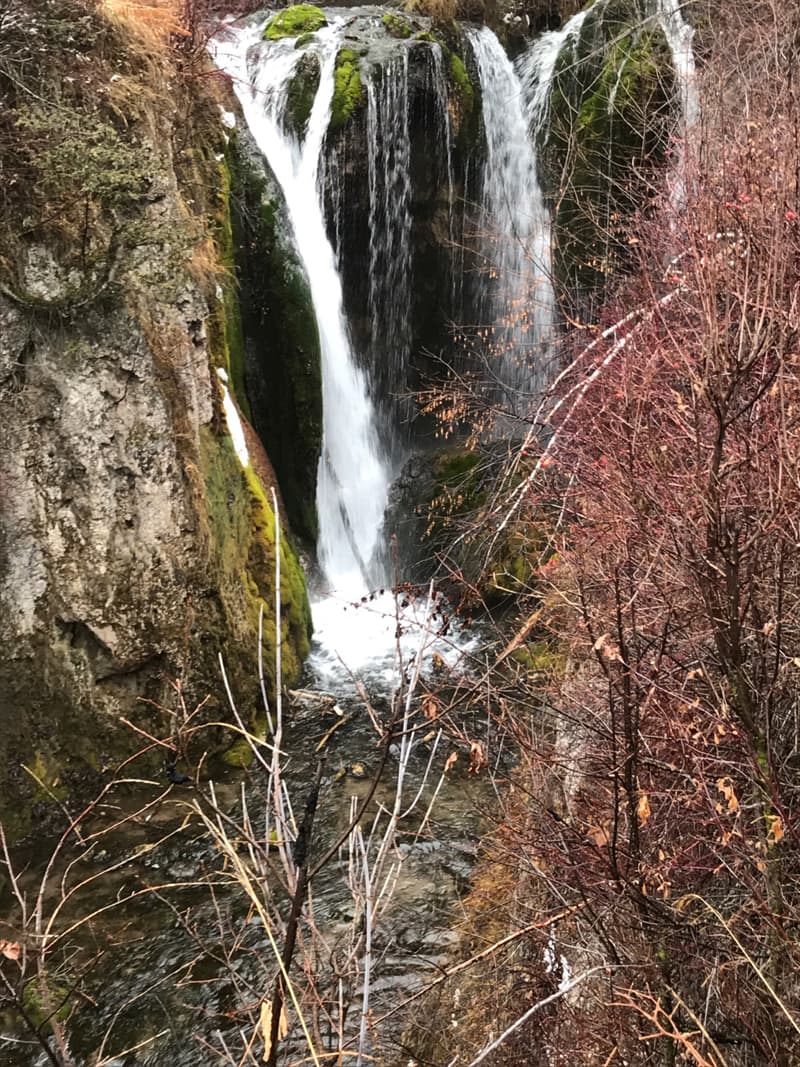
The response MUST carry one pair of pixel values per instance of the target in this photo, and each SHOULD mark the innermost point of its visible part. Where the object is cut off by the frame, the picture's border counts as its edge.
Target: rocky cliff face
(134, 545)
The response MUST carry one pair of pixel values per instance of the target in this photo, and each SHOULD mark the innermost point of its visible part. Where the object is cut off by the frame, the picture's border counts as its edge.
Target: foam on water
(368, 640)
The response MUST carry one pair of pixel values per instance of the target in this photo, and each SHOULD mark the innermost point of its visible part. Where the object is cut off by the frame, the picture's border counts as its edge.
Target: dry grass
(439, 10)
(206, 267)
(155, 23)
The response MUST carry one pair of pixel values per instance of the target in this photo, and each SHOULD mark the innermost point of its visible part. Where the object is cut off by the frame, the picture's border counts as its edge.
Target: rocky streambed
(177, 974)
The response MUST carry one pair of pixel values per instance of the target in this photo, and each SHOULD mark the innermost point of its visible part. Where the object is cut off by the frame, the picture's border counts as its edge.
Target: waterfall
(353, 476)
(444, 136)
(389, 157)
(520, 303)
(679, 35)
(536, 67)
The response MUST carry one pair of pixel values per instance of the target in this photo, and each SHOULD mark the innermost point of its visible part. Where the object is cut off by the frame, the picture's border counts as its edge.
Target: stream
(177, 967)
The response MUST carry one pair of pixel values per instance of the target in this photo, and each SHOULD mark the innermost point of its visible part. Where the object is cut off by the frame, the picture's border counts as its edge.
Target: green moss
(464, 97)
(242, 537)
(453, 466)
(539, 657)
(47, 779)
(240, 753)
(396, 25)
(303, 40)
(85, 184)
(513, 570)
(426, 35)
(293, 21)
(34, 1002)
(461, 81)
(348, 92)
(296, 626)
(457, 490)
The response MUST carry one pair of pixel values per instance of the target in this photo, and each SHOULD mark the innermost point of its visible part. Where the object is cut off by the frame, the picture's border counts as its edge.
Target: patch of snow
(235, 427)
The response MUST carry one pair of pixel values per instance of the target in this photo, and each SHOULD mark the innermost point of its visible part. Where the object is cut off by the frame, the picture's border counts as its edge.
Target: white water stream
(536, 66)
(679, 35)
(521, 306)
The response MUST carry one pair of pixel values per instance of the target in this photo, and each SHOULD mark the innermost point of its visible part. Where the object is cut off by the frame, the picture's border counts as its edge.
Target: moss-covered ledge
(348, 90)
(242, 539)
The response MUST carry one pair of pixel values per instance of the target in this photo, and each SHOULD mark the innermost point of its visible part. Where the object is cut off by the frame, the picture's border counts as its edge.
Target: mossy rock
(240, 753)
(461, 82)
(300, 94)
(397, 25)
(34, 1002)
(348, 90)
(513, 569)
(46, 775)
(541, 658)
(147, 177)
(464, 93)
(295, 20)
(456, 490)
(500, 567)
(611, 111)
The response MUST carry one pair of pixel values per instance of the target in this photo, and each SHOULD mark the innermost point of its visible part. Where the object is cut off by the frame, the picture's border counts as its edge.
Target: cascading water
(520, 302)
(354, 471)
(444, 135)
(389, 158)
(353, 477)
(536, 66)
(679, 35)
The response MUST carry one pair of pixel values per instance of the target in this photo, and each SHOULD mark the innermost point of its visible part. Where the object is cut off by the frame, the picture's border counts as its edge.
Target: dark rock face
(282, 371)
(401, 307)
